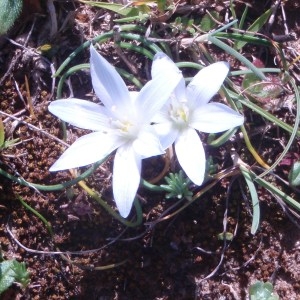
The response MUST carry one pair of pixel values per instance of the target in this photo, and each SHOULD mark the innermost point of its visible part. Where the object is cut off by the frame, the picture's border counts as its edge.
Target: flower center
(179, 113)
(125, 128)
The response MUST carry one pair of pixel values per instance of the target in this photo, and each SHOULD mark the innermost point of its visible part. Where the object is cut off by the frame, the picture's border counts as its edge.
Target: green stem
(223, 138)
(151, 187)
(36, 213)
(66, 75)
(97, 197)
(137, 49)
(55, 187)
(79, 67)
(104, 37)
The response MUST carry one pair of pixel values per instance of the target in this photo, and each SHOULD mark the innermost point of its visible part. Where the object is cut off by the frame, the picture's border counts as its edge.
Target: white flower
(188, 110)
(123, 123)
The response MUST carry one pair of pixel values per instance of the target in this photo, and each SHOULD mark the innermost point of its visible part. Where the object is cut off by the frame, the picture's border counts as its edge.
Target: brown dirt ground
(177, 258)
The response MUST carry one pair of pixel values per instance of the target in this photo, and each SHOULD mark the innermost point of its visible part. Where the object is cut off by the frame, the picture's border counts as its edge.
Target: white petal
(207, 83)
(133, 96)
(108, 84)
(180, 91)
(191, 155)
(86, 150)
(147, 144)
(81, 113)
(167, 133)
(162, 64)
(215, 117)
(126, 178)
(162, 115)
(155, 94)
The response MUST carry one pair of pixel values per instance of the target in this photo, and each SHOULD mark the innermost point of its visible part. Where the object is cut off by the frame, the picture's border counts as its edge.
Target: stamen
(179, 113)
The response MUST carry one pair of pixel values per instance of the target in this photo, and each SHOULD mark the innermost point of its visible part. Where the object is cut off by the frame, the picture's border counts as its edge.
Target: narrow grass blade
(271, 188)
(244, 37)
(37, 214)
(293, 133)
(254, 198)
(255, 27)
(268, 116)
(237, 55)
(221, 139)
(243, 18)
(117, 8)
(2, 133)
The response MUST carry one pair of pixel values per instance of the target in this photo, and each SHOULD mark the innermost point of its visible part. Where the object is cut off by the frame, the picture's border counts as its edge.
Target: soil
(91, 255)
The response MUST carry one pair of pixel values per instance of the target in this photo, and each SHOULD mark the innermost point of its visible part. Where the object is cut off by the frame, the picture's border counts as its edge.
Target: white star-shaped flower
(188, 110)
(122, 123)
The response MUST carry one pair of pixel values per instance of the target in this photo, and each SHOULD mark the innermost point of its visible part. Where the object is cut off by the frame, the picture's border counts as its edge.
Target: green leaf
(262, 291)
(262, 90)
(10, 143)
(5, 143)
(272, 189)
(255, 27)
(294, 175)
(2, 134)
(9, 12)
(243, 18)
(13, 271)
(207, 23)
(140, 18)
(236, 54)
(117, 8)
(7, 275)
(268, 115)
(177, 186)
(161, 5)
(254, 198)
(21, 274)
(217, 142)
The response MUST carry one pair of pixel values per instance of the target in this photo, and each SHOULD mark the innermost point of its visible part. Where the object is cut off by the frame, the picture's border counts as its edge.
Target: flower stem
(96, 196)
(252, 150)
(54, 187)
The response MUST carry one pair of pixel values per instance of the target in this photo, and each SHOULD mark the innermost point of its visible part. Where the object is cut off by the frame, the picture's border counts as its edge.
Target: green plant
(262, 291)
(13, 271)
(177, 186)
(294, 174)
(5, 143)
(137, 10)
(9, 12)
(238, 97)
